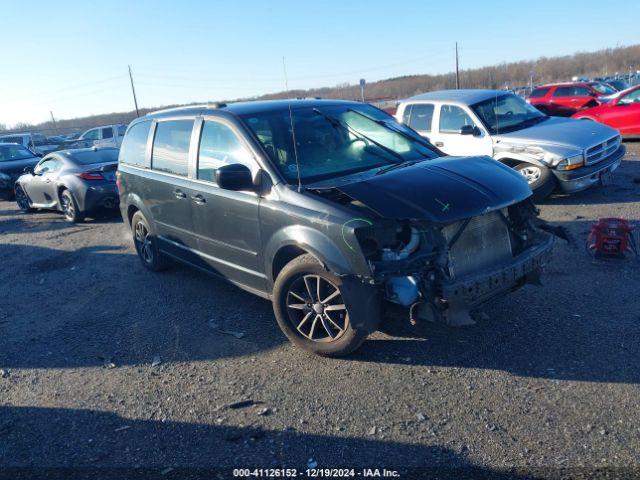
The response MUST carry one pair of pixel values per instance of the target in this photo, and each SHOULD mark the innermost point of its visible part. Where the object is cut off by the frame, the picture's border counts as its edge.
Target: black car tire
(70, 207)
(145, 244)
(543, 184)
(297, 273)
(22, 200)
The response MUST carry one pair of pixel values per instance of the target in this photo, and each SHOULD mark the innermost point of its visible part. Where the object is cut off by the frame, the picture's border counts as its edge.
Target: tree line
(506, 75)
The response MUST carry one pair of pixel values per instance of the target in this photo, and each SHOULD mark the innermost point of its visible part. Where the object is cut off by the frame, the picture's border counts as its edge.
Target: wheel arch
(512, 160)
(135, 204)
(293, 241)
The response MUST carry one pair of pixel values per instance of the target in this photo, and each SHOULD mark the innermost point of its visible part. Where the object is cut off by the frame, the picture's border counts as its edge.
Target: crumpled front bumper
(475, 289)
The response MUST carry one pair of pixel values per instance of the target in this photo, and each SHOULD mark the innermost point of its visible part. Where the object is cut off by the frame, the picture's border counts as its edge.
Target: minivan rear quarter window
(134, 145)
(171, 147)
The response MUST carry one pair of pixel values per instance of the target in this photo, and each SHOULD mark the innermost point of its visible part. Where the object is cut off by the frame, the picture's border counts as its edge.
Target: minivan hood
(565, 132)
(443, 190)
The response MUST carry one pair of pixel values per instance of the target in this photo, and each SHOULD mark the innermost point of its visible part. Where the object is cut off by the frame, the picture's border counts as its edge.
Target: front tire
(70, 207)
(145, 244)
(310, 310)
(540, 179)
(22, 200)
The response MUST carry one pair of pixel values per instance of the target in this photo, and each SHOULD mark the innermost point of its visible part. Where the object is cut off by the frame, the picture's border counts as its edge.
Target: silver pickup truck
(551, 152)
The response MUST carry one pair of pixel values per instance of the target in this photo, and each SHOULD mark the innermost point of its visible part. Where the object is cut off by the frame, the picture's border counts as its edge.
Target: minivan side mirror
(470, 130)
(28, 170)
(234, 177)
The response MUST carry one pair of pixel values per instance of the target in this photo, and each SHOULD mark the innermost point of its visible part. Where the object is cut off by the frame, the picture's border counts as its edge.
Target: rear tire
(540, 179)
(70, 207)
(145, 244)
(309, 308)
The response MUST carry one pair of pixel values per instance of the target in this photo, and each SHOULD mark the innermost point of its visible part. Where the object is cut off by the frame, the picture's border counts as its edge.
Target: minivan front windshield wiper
(388, 168)
(337, 123)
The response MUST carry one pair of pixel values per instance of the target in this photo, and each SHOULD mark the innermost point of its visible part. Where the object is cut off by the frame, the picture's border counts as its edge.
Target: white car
(550, 152)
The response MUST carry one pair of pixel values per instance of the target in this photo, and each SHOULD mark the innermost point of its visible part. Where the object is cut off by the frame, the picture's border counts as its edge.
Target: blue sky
(71, 57)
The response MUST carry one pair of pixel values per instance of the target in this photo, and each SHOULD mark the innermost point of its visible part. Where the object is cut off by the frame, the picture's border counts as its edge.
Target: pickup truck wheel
(540, 179)
(145, 244)
(310, 310)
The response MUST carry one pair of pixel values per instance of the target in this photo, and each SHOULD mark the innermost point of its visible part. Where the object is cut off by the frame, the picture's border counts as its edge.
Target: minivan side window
(453, 118)
(134, 145)
(219, 146)
(420, 118)
(171, 147)
(107, 133)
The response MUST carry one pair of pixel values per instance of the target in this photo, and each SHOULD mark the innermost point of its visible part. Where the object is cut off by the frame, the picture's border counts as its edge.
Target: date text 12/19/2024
(315, 473)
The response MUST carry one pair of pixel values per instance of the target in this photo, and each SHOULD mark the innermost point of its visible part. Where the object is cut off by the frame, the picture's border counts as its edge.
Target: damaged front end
(441, 271)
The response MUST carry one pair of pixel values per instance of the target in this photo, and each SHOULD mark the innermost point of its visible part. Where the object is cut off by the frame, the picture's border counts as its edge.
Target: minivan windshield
(507, 113)
(335, 140)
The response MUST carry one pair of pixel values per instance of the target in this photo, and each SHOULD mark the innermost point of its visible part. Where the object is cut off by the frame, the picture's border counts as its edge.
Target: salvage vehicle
(621, 112)
(36, 142)
(13, 160)
(550, 152)
(75, 182)
(564, 99)
(330, 209)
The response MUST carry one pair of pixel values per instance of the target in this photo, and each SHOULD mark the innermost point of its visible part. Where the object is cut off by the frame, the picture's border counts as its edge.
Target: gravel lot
(546, 383)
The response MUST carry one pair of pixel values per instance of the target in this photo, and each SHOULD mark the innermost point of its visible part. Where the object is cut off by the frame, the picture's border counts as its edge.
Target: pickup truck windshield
(334, 140)
(507, 113)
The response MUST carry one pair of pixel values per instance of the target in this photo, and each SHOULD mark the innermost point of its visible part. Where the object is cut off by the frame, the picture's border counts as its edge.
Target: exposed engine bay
(441, 272)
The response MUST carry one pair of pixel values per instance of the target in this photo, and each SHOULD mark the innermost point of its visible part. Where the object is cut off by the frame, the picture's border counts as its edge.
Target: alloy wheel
(21, 199)
(67, 207)
(143, 242)
(316, 309)
(531, 173)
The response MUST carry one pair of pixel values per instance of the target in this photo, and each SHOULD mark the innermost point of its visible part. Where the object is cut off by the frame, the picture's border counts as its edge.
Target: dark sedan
(13, 160)
(74, 182)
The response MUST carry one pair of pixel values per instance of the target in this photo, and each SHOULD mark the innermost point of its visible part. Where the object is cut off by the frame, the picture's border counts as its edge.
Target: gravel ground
(546, 383)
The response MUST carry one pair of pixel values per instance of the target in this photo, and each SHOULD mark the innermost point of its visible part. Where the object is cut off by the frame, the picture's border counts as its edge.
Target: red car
(564, 99)
(621, 112)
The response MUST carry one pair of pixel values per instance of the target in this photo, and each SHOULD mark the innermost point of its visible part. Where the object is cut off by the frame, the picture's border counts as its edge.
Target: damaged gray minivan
(331, 209)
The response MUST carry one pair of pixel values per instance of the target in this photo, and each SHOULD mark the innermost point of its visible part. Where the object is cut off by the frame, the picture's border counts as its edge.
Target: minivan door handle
(198, 199)
(439, 144)
(179, 193)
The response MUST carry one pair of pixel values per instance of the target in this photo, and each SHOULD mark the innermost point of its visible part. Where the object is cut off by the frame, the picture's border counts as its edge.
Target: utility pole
(457, 72)
(363, 82)
(133, 89)
(55, 128)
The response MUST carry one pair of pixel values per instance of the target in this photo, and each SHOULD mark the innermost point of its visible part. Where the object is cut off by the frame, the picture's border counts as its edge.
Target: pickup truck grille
(483, 244)
(602, 150)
